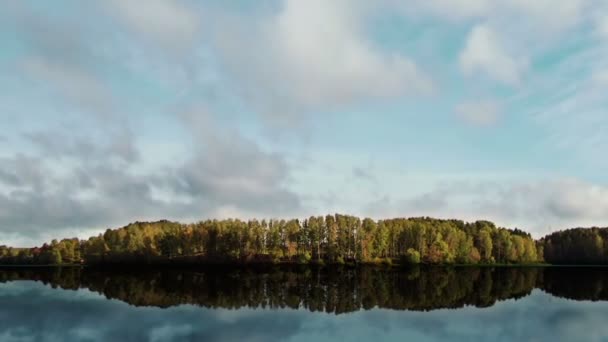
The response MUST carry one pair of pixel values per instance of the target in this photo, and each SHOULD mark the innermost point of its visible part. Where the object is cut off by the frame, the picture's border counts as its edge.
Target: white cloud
(484, 53)
(169, 22)
(314, 54)
(539, 207)
(602, 26)
(600, 78)
(480, 113)
(231, 172)
(548, 14)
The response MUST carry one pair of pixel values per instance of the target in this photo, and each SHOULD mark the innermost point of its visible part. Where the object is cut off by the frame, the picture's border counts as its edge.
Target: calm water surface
(305, 304)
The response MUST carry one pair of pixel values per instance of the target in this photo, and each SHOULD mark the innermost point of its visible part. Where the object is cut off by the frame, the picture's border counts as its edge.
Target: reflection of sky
(34, 312)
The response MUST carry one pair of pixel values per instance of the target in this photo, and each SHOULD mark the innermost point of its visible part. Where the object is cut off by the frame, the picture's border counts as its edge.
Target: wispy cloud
(171, 24)
(484, 53)
(480, 113)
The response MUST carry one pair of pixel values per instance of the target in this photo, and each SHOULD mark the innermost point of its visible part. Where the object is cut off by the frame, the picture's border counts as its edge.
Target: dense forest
(333, 239)
(581, 246)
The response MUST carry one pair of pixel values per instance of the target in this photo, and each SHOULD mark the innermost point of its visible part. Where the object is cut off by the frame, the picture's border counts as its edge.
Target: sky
(118, 111)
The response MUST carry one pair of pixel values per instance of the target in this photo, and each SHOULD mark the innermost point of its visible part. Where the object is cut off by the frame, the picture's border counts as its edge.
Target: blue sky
(116, 111)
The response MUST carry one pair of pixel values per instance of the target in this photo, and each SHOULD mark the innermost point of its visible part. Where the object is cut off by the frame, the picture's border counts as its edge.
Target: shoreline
(254, 265)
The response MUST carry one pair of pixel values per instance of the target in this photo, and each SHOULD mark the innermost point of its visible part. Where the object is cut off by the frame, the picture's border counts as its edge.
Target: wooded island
(333, 239)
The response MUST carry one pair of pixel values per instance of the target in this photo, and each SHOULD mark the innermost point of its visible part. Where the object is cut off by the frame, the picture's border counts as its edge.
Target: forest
(331, 239)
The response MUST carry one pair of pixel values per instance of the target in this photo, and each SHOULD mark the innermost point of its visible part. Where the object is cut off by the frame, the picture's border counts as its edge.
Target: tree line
(333, 239)
(578, 246)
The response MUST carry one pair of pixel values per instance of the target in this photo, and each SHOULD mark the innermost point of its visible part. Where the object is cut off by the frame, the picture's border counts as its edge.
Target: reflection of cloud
(32, 311)
(170, 332)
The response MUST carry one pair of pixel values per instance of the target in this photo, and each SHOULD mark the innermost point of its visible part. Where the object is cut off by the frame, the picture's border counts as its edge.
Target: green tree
(412, 256)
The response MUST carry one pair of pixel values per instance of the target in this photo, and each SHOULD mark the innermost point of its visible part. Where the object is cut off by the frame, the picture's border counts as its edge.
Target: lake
(304, 304)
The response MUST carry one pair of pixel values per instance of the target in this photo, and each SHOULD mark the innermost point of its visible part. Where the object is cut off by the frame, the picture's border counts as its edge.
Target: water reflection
(578, 283)
(332, 290)
(144, 305)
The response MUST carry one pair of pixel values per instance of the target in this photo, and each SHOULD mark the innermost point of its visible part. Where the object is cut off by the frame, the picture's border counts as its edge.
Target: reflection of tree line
(584, 283)
(335, 290)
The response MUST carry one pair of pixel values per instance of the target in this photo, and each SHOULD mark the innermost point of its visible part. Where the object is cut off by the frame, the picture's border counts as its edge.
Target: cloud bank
(120, 111)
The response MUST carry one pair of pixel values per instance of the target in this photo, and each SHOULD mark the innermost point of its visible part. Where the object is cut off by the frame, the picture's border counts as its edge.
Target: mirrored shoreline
(328, 289)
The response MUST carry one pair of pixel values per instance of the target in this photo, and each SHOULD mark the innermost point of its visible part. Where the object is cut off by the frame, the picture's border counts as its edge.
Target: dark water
(305, 304)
